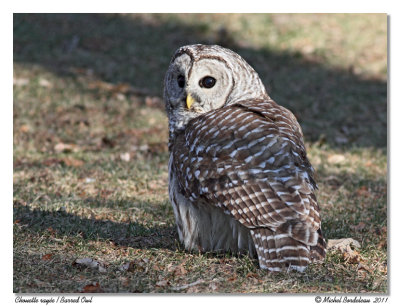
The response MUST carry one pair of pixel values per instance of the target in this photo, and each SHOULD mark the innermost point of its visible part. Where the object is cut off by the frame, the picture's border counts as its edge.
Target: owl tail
(278, 251)
(318, 251)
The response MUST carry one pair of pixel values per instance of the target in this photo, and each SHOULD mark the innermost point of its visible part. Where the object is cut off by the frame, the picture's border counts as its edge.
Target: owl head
(201, 78)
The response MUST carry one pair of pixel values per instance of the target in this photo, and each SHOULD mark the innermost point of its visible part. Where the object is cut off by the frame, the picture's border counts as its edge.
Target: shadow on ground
(61, 224)
(365, 203)
(334, 106)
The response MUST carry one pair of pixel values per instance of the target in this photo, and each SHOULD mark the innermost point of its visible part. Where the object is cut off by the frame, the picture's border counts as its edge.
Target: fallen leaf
(52, 161)
(363, 192)
(363, 267)
(100, 85)
(251, 274)
(44, 83)
(125, 281)
(104, 193)
(359, 227)
(162, 283)
(368, 164)
(132, 266)
(47, 256)
(92, 288)
(17, 221)
(24, 128)
(341, 244)
(352, 257)
(336, 158)
(176, 270)
(382, 244)
(344, 247)
(72, 162)
(20, 81)
(90, 263)
(213, 286)
(65, 148)
(129, 266)
(125, 156)
(51, 230)
(121, 88)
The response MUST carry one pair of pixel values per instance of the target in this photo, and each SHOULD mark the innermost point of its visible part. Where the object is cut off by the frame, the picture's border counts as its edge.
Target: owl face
(202, 78)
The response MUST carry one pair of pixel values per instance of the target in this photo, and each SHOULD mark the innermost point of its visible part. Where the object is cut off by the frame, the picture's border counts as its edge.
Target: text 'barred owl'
(239, 177)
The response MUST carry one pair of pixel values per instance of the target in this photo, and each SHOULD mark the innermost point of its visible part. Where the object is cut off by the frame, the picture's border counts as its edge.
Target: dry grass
(90, 154)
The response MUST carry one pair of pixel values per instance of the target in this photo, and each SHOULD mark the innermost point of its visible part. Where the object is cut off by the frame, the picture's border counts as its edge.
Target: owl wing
(249, 159)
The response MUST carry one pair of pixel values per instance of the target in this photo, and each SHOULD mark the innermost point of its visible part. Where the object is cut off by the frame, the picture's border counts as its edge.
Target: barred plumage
(240, 179)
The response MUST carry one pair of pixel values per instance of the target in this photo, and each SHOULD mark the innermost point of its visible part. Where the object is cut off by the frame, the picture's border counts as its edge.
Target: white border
(204, 6)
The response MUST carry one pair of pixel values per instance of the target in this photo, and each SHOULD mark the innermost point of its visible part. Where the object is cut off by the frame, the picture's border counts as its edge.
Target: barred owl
(239, 177)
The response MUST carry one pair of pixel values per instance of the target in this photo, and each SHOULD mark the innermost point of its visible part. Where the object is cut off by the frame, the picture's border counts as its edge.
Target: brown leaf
(24, 128)
(382, 244)
(368, 164)
(352, 257)
(363, 192)
(133, 266)
(344, 247)
(100, 85)
(72, 162)
(176, 270)
(251, 274)
(65, 148)
(125, 281)
(336, 158)
(52, 161)
(179, 271)
(17, 221)
(363, 267)
(47, 256)
(121, 88)
(359, 227)
(104, 193)
(92, 288)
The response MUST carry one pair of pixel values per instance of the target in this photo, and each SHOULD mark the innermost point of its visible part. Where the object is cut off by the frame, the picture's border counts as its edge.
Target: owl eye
(207, 82)
(181, 81)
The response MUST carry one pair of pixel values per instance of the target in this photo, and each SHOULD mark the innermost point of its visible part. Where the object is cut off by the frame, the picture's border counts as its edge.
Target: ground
(91, 208)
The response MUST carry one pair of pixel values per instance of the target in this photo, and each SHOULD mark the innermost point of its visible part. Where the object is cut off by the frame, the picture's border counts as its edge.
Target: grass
(90, 153)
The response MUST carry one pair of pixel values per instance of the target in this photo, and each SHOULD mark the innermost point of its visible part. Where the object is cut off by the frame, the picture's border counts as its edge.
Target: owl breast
(204, 227)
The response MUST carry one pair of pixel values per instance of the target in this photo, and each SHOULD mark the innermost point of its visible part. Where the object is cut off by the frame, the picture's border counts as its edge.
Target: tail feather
(318, 251)
(277, 251)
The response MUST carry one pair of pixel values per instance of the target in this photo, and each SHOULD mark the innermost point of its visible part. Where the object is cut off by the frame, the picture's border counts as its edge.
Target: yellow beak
(189, 101)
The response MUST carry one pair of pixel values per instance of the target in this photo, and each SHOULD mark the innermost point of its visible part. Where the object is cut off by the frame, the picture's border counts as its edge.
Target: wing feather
(250, 160)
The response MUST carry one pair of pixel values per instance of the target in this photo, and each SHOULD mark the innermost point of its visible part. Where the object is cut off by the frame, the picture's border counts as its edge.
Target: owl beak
(189, 101)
